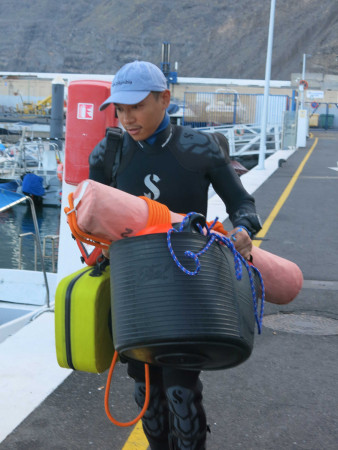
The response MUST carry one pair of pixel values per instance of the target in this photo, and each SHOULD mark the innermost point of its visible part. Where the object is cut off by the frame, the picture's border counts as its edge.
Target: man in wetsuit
(175, 166)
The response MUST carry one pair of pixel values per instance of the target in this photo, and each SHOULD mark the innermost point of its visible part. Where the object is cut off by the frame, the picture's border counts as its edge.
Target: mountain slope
(212, 38)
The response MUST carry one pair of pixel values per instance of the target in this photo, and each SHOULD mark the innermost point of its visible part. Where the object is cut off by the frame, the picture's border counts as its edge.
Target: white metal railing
(244, 139)
(39, 156)
(52, 257)
(22, 235)
(13, 201)
(53, 238)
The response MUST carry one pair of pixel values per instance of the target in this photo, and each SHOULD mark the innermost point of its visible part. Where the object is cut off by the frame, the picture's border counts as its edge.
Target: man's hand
(105, 252)
(241, 240)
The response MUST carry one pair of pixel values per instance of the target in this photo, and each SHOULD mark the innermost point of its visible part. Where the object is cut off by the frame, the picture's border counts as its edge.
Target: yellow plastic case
(83, 336)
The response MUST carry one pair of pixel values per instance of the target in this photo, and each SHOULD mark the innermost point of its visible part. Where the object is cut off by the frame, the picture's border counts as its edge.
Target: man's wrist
(245, 228)
(250, 221)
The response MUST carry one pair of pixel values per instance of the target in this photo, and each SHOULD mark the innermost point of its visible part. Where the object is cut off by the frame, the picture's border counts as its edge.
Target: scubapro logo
(149, 181)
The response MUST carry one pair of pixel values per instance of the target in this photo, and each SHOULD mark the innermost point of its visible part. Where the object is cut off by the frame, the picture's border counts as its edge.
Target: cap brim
(125, 98)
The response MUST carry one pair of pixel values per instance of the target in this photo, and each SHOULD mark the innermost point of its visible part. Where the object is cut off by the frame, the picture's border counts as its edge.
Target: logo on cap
(118, 83)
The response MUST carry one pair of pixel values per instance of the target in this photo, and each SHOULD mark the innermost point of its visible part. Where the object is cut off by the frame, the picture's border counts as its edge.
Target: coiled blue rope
(238, 261)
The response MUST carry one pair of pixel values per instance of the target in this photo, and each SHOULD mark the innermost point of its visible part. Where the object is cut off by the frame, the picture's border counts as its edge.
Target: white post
(303, 118)
(303, 78)
(262, 147)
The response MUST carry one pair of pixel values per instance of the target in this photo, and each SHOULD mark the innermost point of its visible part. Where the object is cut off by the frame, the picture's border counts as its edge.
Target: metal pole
(303, 78)
(262, 147)
(38, 242)
(304, 63)
(165, 64)
(35, 249)
(56, 123)
(22, 156)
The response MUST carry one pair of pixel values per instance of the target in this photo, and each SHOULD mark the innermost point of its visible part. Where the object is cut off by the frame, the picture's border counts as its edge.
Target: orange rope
(79, 234)
(158, 214)
(106, 396)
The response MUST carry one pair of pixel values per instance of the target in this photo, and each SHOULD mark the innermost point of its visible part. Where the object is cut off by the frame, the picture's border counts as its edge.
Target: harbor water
(17, 221)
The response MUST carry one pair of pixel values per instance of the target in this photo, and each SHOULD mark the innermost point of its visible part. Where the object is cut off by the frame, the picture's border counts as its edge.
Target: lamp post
(262, 146)
(303, 78)
(303, 119)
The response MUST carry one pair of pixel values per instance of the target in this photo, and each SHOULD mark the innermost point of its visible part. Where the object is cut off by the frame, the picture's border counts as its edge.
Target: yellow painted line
(137, 439)
(282, 199)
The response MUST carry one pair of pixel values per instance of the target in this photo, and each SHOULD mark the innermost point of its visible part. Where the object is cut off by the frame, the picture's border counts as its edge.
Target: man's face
(142, 120)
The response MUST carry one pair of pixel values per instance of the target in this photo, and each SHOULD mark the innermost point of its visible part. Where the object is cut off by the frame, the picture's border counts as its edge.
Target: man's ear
(165, 95)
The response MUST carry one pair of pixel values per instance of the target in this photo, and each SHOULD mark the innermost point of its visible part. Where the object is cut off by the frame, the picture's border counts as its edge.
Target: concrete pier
(285, 395)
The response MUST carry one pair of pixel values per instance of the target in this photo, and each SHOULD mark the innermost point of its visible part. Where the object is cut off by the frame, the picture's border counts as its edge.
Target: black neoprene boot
(155, 421)
(187, 418)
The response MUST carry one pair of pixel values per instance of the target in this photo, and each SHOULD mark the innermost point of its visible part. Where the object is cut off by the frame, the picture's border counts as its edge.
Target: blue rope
(238, 261)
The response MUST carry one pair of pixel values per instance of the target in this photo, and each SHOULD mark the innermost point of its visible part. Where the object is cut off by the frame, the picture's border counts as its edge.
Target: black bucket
(165, 317)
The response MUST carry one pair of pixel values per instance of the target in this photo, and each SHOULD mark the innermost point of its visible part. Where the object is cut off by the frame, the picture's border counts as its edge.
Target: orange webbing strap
(158, 213)
(106, 396)
(79, 234)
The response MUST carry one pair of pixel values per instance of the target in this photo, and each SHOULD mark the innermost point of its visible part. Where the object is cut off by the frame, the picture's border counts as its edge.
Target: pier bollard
(56, 124)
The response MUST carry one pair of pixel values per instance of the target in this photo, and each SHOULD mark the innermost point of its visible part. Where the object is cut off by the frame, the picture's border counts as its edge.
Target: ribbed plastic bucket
(165, 317)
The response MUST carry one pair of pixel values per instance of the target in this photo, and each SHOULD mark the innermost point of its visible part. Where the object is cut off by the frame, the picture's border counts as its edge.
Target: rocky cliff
(209, 38)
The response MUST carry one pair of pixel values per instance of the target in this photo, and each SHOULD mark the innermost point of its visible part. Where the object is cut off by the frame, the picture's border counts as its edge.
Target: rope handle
(106, 395)
(238, 259)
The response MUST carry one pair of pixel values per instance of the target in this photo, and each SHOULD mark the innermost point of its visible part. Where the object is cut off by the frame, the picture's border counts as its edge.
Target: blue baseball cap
(134, 82)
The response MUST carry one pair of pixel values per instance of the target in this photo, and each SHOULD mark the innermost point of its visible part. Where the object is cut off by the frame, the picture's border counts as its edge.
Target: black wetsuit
(176, 170)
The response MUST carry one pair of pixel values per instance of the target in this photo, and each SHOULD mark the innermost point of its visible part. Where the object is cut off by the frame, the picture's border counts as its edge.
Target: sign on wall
(314, 94)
